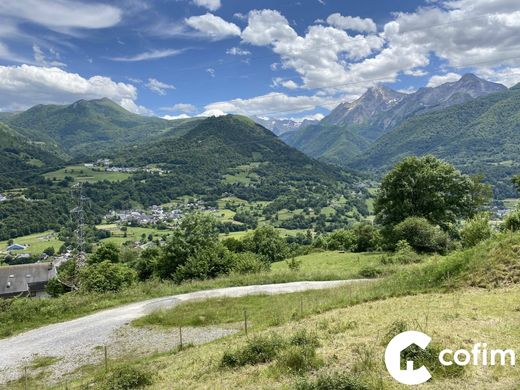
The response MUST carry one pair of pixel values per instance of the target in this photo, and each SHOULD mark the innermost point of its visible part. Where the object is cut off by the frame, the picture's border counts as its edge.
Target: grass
(132, 233)
(22, 314)
(36, 243)
(83, 174)
(44, 361)
(352, 343)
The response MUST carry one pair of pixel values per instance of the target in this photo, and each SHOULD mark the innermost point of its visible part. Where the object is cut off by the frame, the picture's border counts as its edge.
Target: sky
(269, 58)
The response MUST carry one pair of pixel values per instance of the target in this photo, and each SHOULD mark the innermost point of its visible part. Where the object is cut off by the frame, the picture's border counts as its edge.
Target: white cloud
(213, 26)
(509, 76)
(415, 72)
(237, 51)
(41, 58)
(352, 23)
(280, 82)
(62, 14)
(213, 112)
(181, 107)
(148, 55)
(27, 85)
(437, 80)
(158, 87)
(271, 103)
(174, 117)
(320, 57)
(212, 5)
(211, 72)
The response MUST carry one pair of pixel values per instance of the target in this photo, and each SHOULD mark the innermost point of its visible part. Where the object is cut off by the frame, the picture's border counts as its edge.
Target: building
(16, 247)
(27, 280)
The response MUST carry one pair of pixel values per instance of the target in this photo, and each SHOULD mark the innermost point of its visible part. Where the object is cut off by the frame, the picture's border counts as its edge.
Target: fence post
(180, 338)
(245, 321)
(106, 359)
(301, 306)
(25, 386)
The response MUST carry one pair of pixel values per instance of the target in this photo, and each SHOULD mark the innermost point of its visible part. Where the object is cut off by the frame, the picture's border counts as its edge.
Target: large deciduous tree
(430, 188)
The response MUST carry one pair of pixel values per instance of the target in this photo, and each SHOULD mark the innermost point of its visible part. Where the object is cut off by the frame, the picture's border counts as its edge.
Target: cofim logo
(479, 355)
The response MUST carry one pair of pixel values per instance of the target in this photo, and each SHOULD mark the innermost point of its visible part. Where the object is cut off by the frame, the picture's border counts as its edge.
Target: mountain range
(283, 126)
(351, 128)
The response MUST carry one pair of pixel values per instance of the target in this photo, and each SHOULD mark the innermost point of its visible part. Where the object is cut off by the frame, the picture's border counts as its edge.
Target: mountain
(87, 126)
(280, 126)
(356, 125)
(479, 136)
(21, 159)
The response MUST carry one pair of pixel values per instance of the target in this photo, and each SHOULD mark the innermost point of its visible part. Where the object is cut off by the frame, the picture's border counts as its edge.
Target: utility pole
(79, 216)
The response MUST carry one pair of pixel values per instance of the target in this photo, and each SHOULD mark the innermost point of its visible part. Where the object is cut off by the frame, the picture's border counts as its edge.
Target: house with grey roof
(16, 247)
(27, 280)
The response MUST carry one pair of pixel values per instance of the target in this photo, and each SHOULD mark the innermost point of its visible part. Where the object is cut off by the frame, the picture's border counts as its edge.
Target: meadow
(83, 174)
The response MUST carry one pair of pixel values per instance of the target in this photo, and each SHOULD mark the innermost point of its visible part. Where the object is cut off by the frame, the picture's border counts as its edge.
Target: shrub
(267, 242)
(105, 252)
(303, 338)
(512, 221)
(249, 263)
(421, 235)
(106, 276)
(333, 381)
(298, 359)
(341, 240)
(370, 272)
(206, 264)
(260, 349)
(294, 264)
(126, 378)
(404, 253)
(476, 230)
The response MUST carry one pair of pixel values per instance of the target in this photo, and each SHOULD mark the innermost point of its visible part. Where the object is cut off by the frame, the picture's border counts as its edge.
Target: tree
(105, 252)
(50, 251)
(266, 241)
(196, 233)
(429, 188)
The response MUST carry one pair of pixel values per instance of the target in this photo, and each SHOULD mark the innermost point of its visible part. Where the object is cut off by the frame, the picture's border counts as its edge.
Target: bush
(476, 230)
(512, 221)
(105, 277)
(421, 235)
(294, 264)
(126, 378)
(249, 263)
(303, 338)
(343, 239)
(404, 254)
(334, 381)
(206, 264)
(370, 272)
(298, 359)
(260, 349)
(105, 252)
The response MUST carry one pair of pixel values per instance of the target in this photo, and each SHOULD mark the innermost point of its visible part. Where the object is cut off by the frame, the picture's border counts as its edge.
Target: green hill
(21, 159)
(88, 126)
(480, 136)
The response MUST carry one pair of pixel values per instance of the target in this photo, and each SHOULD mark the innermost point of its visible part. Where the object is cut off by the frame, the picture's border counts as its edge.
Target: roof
(19, 277)
(16, 247)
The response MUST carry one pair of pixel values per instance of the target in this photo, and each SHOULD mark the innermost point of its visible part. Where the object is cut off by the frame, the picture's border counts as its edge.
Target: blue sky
(267, 58)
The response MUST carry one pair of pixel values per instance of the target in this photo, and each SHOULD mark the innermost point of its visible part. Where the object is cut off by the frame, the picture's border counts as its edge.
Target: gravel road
(77, 342)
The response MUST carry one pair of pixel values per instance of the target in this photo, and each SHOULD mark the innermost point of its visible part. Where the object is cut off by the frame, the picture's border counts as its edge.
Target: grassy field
(352, 342)
(132, 233)
(83, 174)
(36, 243)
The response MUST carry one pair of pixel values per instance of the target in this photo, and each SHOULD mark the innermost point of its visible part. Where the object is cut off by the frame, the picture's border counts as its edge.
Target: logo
(399, 343)
(478, 355)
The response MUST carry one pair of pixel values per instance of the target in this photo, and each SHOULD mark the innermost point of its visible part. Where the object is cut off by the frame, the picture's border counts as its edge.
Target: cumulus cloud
(272, 103)
(352, 23)
(213, 26)
(62, 14)
(213, 112)
(319, 56)
(437, 80)
(26, 85)
(148, 55)
(289, 84)
(158, 87)
(212, 5)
